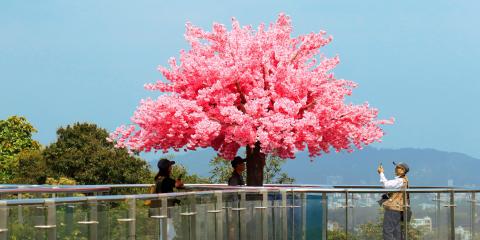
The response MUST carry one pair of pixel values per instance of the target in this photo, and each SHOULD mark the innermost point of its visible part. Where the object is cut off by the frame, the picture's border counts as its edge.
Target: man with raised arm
(393, 203)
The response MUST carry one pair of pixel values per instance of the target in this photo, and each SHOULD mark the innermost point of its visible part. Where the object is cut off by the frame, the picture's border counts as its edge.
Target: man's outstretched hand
(380, 169)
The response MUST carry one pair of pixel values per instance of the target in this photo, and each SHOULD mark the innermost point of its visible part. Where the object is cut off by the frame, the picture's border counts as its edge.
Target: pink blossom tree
(260, 89)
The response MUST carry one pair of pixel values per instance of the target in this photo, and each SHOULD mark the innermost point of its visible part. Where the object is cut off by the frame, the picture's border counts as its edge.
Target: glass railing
(219, 212)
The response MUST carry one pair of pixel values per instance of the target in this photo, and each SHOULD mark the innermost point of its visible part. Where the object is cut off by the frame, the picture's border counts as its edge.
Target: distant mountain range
(428, 166)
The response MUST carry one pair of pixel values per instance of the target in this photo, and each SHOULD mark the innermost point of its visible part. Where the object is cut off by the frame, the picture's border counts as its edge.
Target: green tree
(15, 136)
(338, 234)
(82, 153)
(272, 172)
(374, 230)
(222, 170)
(181, 171)
(31, 168)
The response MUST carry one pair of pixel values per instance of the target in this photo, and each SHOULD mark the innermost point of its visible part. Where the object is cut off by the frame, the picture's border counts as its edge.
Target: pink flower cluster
(234, 88)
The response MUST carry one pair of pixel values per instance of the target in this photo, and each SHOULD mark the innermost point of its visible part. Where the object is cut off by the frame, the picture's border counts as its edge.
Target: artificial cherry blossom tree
(260, 89)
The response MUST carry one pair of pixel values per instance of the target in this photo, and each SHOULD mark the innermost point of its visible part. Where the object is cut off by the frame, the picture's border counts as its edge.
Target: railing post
(437, 215)
(304, 215)
(229, 217)
(189, 216)
(261, 214)
(164, 224)
(452, 214)
(131, 218)
(284, 214)
(473, 216)
(346, 213)
(91, 218)
(93, 212)
(193, 217)
(3, 220)
(161, 214)
(20, 208)
(352, 212)
(324, 216)
(243, 224)
(219, 215)
(265, 215)
(292, 206)
(51, 219)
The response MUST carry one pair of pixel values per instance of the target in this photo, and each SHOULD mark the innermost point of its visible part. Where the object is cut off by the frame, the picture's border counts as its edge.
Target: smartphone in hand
(380, 168)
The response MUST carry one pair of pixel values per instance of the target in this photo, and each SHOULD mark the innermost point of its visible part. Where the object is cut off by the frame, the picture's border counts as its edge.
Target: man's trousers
(392, 225)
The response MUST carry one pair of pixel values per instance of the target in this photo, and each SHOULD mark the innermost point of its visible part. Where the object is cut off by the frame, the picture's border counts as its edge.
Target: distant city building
(423, 224)
(333, 226)
(462, 234)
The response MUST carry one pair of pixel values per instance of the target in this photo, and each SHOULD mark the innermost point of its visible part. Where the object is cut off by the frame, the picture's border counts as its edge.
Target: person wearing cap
(238, 165)
(163, 182)
(394, 203)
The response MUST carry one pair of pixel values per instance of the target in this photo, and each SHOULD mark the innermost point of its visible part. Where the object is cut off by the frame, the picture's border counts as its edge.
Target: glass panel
(232, 217)
(119, 224)
(296, 203)
(463, 216)
(475, 220)
(275, 224)
(365, 216)
(184, 218)
(205, 218)
(255, 215)
(242, 215)
(336, 225)
(23, 219)
(147, 227)
(442, 228)
(315, 215)
(73, 221)
(425, 220)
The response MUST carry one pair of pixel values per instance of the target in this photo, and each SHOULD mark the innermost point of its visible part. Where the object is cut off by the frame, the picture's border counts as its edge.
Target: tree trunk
(255, 165)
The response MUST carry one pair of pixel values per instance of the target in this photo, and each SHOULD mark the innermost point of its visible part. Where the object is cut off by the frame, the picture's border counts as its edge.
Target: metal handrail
(212, 190)
(146, 185)
(55, 189)
(256, 190)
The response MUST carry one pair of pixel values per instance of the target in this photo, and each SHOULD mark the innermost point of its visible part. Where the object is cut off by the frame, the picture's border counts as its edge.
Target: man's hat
(402, 165)
(237, 160)
(164, 163)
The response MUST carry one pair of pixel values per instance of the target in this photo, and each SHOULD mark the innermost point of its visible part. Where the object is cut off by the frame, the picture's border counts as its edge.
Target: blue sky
(68, 61)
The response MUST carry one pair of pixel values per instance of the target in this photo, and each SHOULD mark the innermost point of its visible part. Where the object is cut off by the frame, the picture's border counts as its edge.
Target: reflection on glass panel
(442, 220)
(365, 216)
(336, 224)
(463, 216)
(73, 221)
(426, 216)
(233, 215)
(244, 214)
(315, 210)
(22, 219)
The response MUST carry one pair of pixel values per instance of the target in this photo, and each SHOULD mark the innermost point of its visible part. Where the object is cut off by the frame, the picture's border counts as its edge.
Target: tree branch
(308, 106)
(295, 56)
(243, 100)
